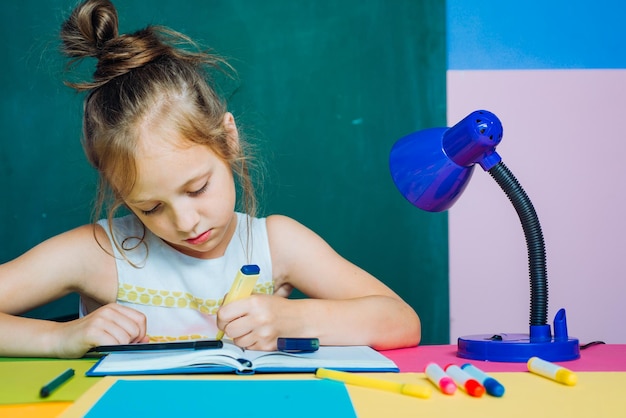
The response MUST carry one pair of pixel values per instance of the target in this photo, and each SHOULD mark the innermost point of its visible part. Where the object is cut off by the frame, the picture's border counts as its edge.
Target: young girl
(169, 152)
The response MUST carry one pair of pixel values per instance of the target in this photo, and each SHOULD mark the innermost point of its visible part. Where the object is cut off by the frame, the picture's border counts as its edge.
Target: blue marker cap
(493, 387)
(250, 269)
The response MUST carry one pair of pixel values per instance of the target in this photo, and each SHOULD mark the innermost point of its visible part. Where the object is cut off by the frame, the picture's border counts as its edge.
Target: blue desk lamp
(431, 168)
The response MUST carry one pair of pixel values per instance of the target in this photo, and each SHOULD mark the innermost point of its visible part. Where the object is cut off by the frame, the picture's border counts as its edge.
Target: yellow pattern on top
(176, 299)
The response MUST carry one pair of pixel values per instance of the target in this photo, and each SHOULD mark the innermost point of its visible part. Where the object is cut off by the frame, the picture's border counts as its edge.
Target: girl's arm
(346, 305)
(70, 262)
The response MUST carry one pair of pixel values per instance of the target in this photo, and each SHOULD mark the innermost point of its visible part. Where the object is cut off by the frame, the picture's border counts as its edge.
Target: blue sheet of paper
(255, 398)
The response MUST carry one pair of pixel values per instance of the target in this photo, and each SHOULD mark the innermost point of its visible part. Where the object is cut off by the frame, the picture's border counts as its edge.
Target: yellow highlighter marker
(410, 389)
(241, 288)
(552, 371)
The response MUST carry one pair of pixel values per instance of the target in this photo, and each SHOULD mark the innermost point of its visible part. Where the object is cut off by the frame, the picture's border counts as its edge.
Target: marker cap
(474, 388)
(447, 386)
(493, 387)
(566, 377)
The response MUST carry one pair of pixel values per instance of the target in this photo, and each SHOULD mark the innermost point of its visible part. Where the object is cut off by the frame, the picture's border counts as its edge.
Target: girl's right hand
(111, 324)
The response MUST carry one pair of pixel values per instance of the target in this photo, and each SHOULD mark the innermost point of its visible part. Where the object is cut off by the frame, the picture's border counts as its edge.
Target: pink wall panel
(565, 141)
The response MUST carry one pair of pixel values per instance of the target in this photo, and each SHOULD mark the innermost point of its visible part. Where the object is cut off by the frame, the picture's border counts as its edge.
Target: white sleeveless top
(180, 294)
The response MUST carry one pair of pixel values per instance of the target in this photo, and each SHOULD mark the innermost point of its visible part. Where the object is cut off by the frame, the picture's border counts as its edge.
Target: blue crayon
(492, 386)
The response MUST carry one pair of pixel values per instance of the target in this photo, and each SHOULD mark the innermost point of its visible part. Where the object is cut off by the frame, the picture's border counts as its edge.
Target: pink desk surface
(597, 358)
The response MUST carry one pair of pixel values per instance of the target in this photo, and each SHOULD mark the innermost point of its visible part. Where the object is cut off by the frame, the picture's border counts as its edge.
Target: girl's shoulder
(284, 231)
(277, 223)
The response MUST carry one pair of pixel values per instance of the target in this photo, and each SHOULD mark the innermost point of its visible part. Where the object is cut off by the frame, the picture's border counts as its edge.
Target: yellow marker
(552, 371)
(410, 389)
(241, 288)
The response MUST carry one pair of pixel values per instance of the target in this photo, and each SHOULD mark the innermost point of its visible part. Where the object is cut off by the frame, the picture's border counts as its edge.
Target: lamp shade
(432, 167)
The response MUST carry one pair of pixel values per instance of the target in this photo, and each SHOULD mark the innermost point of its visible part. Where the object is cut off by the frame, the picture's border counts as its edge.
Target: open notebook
(232, 359)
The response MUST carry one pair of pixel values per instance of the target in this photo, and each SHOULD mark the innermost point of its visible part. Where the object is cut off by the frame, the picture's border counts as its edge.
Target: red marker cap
(474, 388)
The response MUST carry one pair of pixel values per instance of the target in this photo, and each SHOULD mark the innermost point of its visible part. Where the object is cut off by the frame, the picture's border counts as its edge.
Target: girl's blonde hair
(141, 77)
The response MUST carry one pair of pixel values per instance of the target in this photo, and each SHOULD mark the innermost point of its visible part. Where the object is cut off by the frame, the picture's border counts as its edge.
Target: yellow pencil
(410, 389)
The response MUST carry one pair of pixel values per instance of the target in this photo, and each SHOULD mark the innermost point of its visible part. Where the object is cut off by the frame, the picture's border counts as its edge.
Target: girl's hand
(108, 325)
(256, 322)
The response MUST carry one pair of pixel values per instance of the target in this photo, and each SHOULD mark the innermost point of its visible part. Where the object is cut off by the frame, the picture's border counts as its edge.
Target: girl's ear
(229, 124)
(231, 130)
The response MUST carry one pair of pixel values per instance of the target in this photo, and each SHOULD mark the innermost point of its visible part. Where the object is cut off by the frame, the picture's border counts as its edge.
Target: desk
(599, 393)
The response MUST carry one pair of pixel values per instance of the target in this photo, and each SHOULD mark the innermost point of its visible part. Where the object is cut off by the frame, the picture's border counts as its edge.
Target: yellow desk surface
(597, 394)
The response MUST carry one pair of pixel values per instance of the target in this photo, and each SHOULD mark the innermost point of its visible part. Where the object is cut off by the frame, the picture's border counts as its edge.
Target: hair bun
(89, 28)
(92, 31)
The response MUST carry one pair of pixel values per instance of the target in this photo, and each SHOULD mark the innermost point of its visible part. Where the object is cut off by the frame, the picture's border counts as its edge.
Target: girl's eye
(151, 211)
(200, 190)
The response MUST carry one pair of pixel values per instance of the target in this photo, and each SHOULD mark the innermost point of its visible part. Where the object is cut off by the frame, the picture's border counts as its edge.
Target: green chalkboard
(324, 88)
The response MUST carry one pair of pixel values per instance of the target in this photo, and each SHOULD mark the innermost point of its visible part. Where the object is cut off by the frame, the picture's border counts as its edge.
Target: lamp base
(516, 348)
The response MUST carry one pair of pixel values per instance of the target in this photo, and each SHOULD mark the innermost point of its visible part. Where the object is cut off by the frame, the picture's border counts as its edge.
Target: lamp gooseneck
(534, 241)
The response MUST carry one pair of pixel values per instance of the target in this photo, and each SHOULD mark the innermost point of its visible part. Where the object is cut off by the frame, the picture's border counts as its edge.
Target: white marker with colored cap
(440, 378)
(552, 371)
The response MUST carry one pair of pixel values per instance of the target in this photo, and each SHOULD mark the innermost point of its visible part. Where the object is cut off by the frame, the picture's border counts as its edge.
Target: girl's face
(185, 194)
